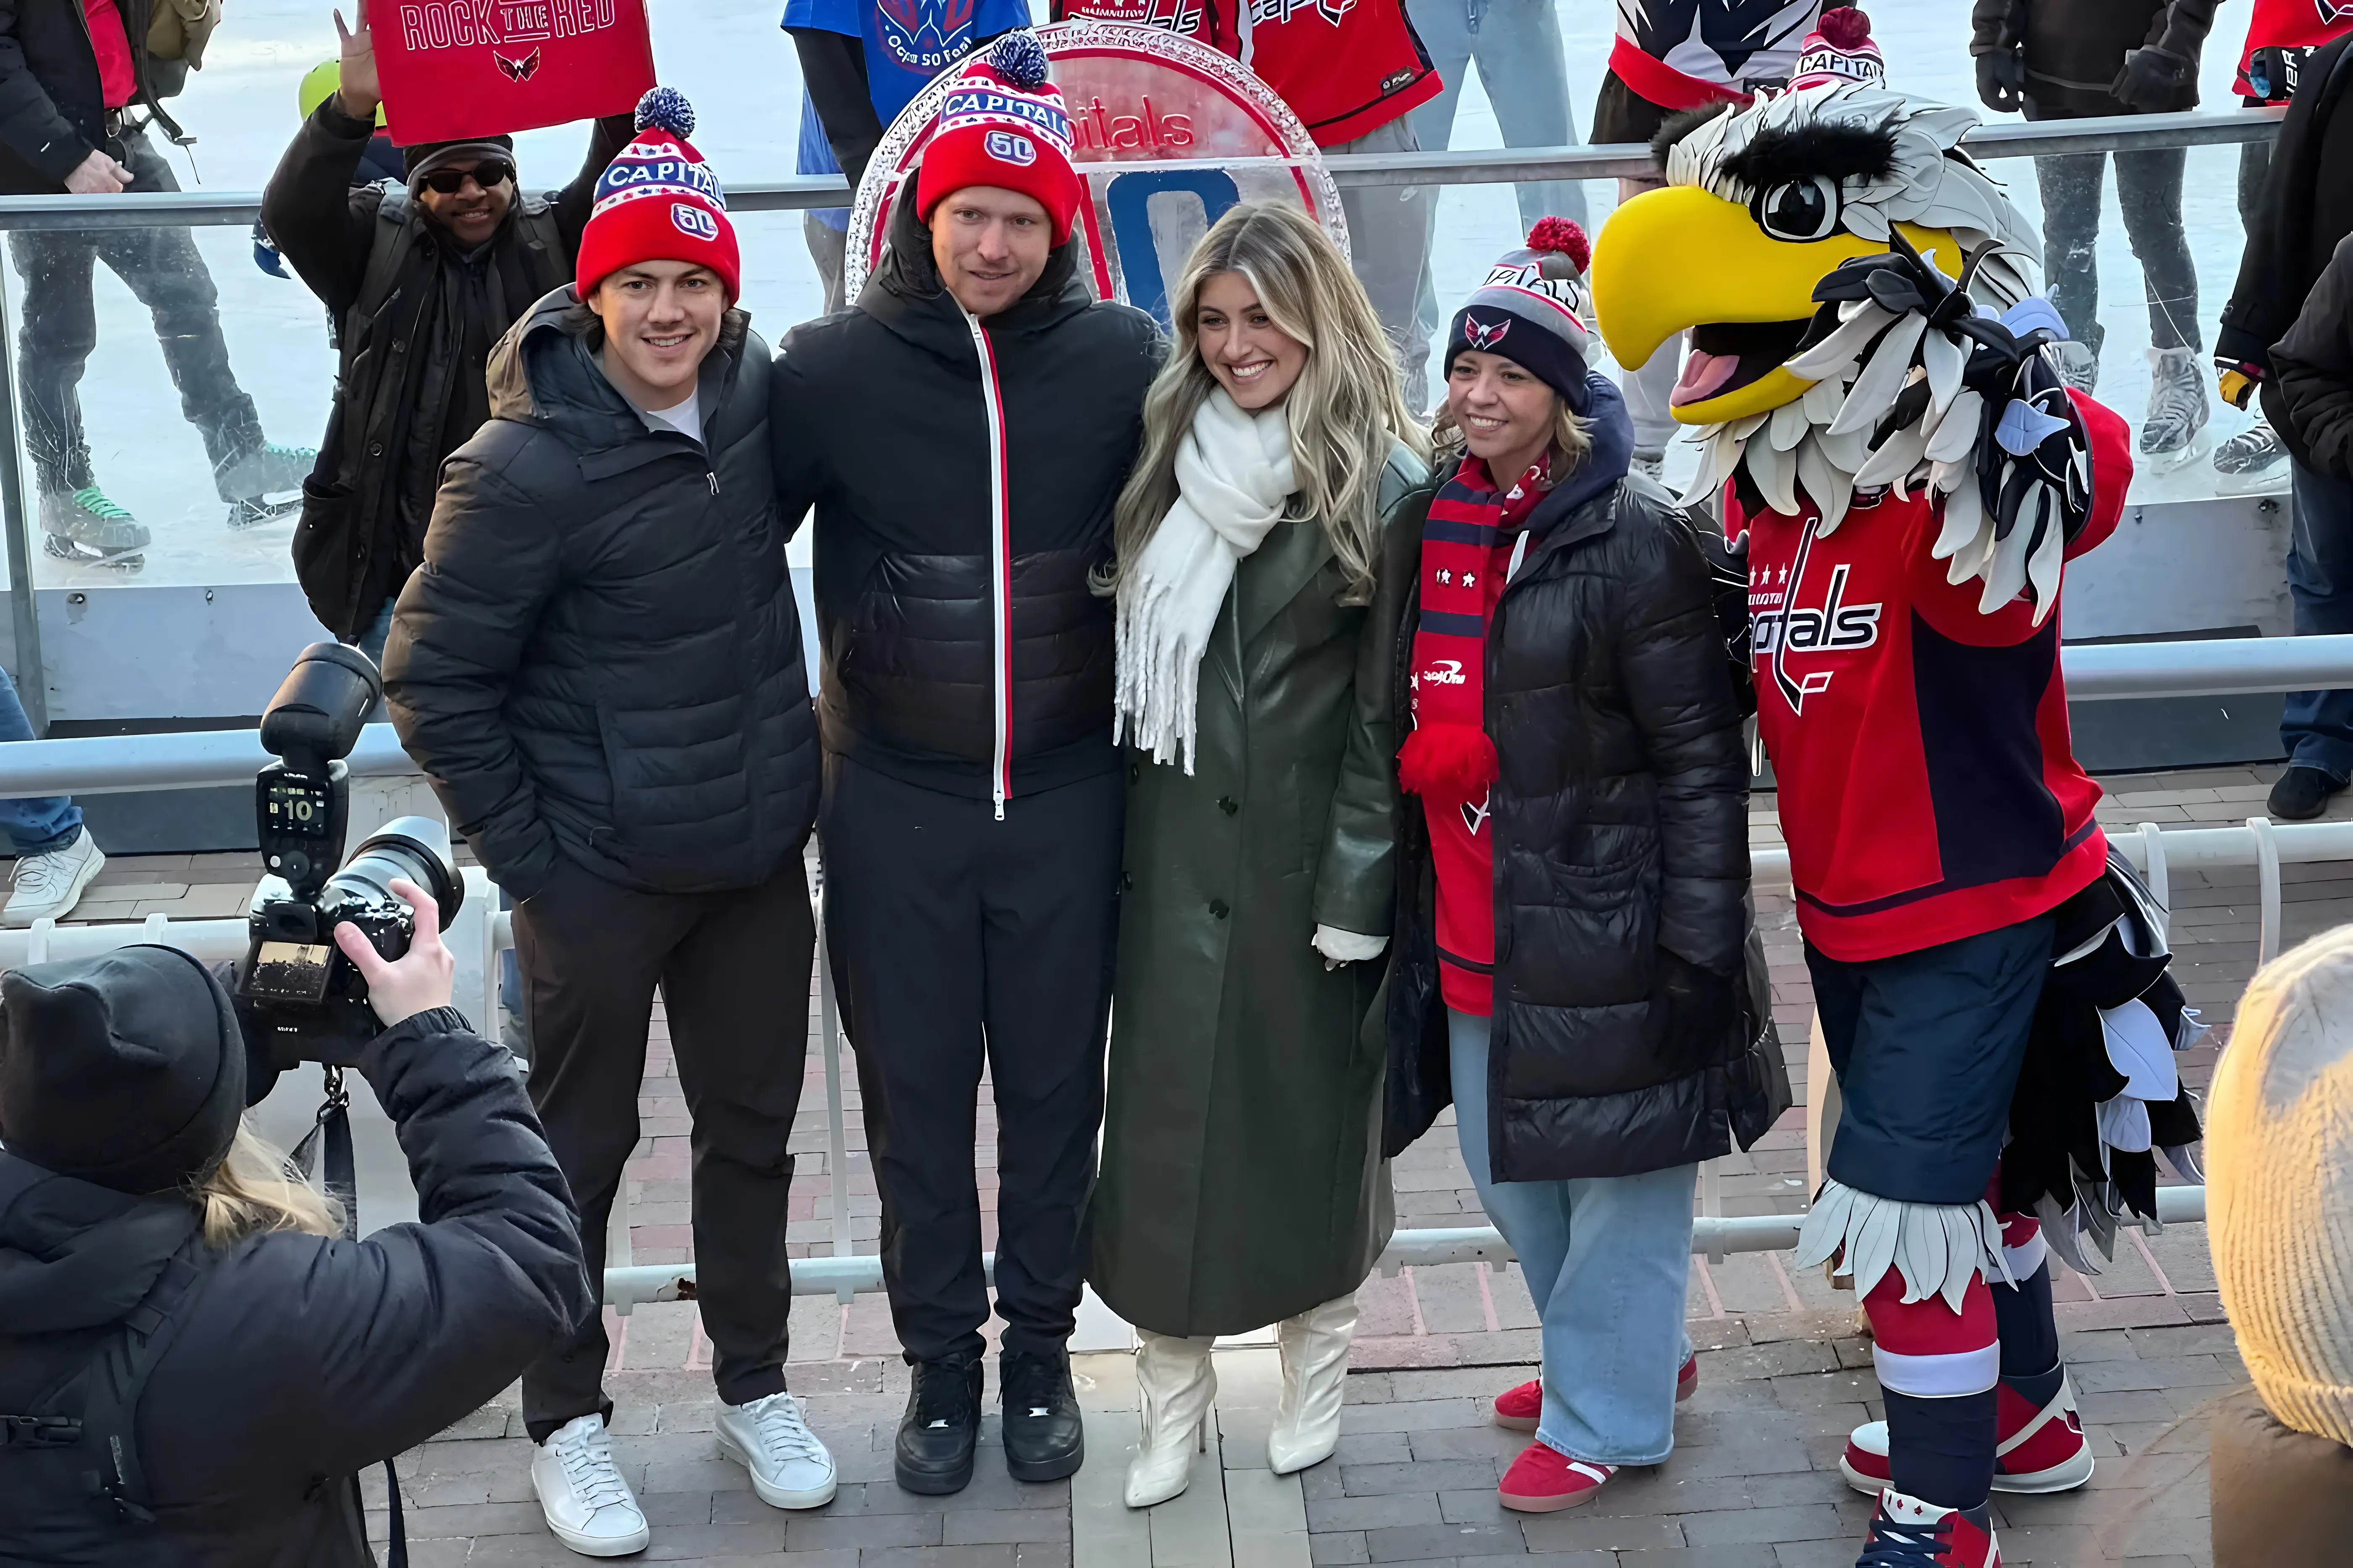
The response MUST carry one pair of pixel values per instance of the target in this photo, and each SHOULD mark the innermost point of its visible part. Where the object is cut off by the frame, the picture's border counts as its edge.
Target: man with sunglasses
(420, 280)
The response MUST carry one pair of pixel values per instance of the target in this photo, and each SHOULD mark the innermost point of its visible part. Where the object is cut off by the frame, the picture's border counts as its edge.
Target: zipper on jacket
(1000, 570)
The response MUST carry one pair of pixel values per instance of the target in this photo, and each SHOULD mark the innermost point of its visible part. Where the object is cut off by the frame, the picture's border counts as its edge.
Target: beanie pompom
(1448, 762)
(666, 109)
(1020, 59)
(1844, 27)
(1562, 236)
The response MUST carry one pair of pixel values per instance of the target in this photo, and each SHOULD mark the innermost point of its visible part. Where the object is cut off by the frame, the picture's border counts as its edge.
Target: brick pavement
(1753, 1482)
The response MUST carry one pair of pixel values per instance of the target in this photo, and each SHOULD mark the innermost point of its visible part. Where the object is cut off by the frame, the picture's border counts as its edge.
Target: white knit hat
(2279, 1192)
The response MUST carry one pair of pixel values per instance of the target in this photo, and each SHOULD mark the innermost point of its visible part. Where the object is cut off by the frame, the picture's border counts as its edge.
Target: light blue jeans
(1607, 1261)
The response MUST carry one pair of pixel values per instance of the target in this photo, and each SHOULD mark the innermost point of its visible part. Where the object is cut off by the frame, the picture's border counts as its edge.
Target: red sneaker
(1519, 1408)
(1544, 1481)
(2034, 1450)
(1908, 1533)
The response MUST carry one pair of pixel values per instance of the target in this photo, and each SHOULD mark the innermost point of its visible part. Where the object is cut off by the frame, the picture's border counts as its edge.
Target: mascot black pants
(958, 940)
(734, 971)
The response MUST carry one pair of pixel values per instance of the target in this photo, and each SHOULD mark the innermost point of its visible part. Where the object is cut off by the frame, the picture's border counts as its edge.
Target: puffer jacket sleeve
(1356, 879)
(375, 1345)
(2314, 367)
(1679, 688)
(492, 558)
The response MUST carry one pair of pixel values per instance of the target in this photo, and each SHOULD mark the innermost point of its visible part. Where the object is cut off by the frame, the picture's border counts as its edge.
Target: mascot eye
(1799, 209)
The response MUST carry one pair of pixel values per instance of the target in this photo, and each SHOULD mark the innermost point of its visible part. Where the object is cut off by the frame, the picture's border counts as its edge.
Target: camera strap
(333, 1125)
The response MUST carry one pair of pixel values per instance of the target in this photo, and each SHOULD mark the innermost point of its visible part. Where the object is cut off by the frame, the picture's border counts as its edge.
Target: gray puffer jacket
(600, 658)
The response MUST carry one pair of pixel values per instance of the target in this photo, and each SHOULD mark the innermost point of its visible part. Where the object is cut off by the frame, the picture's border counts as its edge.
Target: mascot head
(1762, 205)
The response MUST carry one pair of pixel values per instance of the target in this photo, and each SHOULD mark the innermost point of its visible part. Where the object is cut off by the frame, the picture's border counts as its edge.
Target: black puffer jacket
(2313, 372)
(1633, 1024)
(2306, 208)
(296, 1362)
(881, 423)
(600, 658)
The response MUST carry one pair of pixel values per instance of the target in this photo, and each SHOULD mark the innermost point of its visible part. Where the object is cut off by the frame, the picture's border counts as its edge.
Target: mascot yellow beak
(1681, 258)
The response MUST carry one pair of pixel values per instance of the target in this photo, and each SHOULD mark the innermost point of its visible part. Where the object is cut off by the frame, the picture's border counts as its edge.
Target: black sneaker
(1044, 1437)
(933, 1454)
(2302, 793)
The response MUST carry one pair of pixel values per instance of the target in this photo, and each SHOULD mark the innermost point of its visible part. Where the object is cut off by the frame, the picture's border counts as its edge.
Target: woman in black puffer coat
(1575, 965)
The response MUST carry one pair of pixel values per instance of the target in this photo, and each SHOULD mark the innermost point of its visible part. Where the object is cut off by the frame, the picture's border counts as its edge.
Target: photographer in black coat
(599, 668)
(165, 1286)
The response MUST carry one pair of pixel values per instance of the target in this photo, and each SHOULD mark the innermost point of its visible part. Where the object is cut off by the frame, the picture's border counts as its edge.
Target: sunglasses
(488, 173)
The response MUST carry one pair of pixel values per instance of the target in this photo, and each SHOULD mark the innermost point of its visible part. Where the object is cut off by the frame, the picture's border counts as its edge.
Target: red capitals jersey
(1928, 789)
(2299, 25)
(1345, 67)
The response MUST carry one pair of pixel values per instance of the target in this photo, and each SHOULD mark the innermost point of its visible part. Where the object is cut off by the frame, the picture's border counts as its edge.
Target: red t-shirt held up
(118, 77)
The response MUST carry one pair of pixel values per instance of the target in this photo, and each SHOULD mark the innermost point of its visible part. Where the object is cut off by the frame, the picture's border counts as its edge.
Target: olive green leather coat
(1241, 1177)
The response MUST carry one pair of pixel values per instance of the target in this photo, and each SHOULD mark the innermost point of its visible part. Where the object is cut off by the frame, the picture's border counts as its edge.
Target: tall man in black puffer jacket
(962, 434)
(598, 665)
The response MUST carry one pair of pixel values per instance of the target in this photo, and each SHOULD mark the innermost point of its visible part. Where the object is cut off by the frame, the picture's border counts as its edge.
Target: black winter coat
(298, 1361)
(1632, 1024)
(883, 423)
(52, 108)
(2312, 373)
(412, 344)
(2305, 208)
(2074, 49)
(600, 658)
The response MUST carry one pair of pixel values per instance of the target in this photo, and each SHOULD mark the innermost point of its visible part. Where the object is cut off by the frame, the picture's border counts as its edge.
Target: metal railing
(2094, 671)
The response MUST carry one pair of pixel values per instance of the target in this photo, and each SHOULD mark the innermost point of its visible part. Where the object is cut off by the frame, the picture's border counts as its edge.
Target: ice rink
(732, 60)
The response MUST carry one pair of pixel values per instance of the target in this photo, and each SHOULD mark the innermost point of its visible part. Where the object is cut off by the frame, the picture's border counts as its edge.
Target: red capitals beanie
(1003, 124)
(658, 201)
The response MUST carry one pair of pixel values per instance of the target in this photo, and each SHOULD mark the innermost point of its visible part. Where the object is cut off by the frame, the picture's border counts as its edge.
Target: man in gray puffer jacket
(598, 665)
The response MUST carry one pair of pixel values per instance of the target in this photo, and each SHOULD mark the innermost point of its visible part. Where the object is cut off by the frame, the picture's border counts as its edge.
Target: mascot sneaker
(1542, 1480)
(2034, 1450)
(1518, 1409)
(1908, 1533)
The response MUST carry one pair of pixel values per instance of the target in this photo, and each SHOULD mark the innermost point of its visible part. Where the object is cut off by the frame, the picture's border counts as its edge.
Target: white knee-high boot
(1177, 1384)
(1314, 1374)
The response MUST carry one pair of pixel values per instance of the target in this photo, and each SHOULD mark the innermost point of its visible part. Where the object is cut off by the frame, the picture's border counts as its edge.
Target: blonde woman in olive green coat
(1264, 547)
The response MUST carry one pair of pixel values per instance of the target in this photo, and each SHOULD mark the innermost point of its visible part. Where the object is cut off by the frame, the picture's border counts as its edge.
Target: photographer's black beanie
(126, 1070)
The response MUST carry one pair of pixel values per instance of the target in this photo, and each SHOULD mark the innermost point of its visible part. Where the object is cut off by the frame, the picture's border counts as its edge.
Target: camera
(302, 999)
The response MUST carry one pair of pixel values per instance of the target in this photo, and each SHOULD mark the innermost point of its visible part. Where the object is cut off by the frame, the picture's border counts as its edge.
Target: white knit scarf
(1233, 476)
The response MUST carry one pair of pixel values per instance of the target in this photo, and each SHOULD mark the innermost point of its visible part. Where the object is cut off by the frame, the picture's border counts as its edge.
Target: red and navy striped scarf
(1449, 755)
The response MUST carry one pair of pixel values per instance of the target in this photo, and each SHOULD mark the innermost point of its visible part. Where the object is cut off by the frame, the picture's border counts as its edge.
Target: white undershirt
(684, 417)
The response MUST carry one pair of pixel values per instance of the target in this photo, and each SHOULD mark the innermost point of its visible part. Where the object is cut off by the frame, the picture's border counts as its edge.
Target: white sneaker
(48, 885)
(790, 1469)
(588, 1504)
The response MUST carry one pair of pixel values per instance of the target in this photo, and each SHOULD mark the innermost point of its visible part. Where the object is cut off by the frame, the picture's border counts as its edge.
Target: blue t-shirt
(908, 42)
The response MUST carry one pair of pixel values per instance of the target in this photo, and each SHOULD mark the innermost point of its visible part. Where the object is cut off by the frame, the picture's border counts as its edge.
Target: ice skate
(84, 526)
(2178, 409)
(2252, 459)
(265, 484)
(2079, 365)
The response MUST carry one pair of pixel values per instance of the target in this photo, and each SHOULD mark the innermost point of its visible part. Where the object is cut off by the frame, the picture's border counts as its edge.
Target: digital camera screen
(296, 808)
(291, 971)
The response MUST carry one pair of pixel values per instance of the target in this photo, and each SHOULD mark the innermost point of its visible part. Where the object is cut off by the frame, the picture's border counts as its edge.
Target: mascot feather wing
(1834, 251)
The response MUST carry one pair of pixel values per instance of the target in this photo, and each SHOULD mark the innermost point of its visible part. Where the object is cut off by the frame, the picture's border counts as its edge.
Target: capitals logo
(984, 105)
(1280, 11)
(694, 220)
(1779, 626)
(926, 36)
(1484, 335)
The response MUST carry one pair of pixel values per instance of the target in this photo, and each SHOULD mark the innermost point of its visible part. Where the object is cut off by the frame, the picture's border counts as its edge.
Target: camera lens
(417, 848)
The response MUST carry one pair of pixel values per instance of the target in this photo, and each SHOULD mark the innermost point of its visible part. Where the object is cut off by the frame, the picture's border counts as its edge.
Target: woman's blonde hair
(1572, 434)
(1347, 408)
(255, 1191)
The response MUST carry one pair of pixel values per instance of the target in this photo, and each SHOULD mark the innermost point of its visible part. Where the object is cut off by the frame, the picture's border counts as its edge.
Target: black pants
(2148, 189)
(734, 970)
(956, 938)
(161, 267)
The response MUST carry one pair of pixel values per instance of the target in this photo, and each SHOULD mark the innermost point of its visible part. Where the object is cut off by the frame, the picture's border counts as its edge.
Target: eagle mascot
(1870, 380)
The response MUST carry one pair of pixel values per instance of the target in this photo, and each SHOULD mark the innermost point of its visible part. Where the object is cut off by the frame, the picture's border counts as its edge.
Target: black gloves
(2156, 80)
(2001, 81)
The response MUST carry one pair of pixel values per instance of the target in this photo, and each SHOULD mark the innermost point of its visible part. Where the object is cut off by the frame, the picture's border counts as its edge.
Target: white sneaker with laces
(790, 1467)
(48, 885)
(588, 1505)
